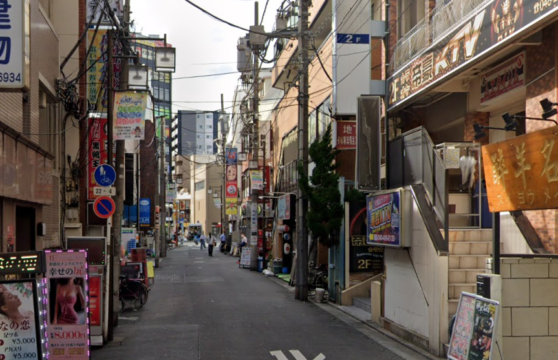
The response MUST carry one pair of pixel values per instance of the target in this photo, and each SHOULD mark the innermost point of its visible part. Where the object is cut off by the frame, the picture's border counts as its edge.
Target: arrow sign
(104, 207)
(105, 175)
(296, 354)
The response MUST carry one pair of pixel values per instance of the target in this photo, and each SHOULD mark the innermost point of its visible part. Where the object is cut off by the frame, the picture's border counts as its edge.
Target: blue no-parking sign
(105, 175)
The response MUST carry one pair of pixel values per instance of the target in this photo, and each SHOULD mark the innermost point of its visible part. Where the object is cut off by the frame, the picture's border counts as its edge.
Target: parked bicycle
(134, 291)
(317, 276)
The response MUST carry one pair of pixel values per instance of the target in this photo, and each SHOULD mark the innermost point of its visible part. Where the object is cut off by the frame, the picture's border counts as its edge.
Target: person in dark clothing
(210, 244)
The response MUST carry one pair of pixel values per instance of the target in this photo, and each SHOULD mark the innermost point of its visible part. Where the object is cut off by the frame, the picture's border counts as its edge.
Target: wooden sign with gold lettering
(522, 173)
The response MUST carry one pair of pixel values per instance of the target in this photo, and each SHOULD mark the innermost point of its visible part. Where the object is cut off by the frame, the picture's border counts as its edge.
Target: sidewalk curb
(369, 324)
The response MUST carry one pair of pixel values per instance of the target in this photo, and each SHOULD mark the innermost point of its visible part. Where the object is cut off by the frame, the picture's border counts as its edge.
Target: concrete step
(470, 248)
(470, 235)
(363, 303)
(464, 275)
(467, 261)
(455, 290)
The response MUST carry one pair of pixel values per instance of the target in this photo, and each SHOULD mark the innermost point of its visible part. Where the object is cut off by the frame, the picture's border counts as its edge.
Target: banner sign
(97, 74)
(14, 44)
(97, 152)
(95, 299)
(145, 212)
(522, 172)
(232, 189)
(68, 322)
(231, 206)
(489, 29)
(129, 115)
(256, 178)
(346, 137)
(20, 336)
(284, 207)
(232, 156)
(503, 79)
(384, 219)
(231, 172)
(474, 328)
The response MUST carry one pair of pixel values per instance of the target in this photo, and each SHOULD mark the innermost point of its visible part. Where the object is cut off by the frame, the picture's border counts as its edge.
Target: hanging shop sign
(346, 135)
(97, 73)
(232, 156)
(14, 44)
(20, 335)
(68, 325)
(284, 207)
(145, 212)
(504, 78)
(129, 115)
(384, 219)
(256, 178)
(97, 152)
(231, 206)
(492, 27)
(522, 173)
(232, 189)
(474, 331)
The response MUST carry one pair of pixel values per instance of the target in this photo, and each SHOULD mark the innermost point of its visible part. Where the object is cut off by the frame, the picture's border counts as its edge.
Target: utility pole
(224, 186)
(157, 233)
(301, 277)
(113, 251)
(163, 220)
(255, 152)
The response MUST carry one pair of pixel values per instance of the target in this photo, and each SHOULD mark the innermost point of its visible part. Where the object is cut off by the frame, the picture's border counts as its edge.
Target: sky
(203, 45)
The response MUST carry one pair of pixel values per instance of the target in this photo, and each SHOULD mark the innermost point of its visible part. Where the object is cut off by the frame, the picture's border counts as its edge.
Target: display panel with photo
(67, 301)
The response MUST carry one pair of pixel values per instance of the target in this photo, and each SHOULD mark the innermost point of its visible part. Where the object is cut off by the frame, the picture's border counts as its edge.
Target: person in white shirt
(202, 241)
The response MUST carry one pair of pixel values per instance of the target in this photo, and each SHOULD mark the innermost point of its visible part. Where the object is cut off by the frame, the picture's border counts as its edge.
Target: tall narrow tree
(325, 212)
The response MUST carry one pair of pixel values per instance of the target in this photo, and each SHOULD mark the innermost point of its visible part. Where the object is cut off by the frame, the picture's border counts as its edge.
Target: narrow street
(203, 307)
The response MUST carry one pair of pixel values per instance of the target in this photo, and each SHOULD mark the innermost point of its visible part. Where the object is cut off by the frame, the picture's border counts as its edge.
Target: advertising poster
(384, 222)
(129, 115)
(362, 257)
(231, 172)
(232, 156)
(95, 299)
(284, 207)
(14, 44)
(256, 176)
(232, 189)
(68, 308)
(145, 212)
(474, 328)
(231, 206)
(19, 321)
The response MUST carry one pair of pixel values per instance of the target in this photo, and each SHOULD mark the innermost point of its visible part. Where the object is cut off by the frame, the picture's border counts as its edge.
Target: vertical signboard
(95, 299)
(474, 328)
(129, 115)
(97, 152)
(145, 212)
(384, 219)
(68, 321)
(20, 336)
(14, 44)
(256, 177)
(97, 69)
(345, 135)
(231, 192)
(284, 207)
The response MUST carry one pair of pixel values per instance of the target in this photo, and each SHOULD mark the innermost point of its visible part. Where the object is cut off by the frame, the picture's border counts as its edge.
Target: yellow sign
(150, 270)
(522, 173)
(231, 206)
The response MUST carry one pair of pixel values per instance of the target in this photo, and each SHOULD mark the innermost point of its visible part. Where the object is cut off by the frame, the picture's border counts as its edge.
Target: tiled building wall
(529, 310)
(541, 77)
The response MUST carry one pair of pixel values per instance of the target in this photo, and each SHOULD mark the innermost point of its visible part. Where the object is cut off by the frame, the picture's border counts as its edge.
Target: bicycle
(132, 290)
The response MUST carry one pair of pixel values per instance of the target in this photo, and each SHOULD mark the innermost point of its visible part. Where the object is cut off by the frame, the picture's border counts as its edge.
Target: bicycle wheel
(142, 295)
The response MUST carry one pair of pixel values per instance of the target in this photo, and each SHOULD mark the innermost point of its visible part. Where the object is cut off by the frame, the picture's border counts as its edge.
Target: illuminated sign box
(29, 262)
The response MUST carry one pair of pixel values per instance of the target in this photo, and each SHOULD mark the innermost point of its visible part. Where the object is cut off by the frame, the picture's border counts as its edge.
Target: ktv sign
(14, 44)
(489, 29)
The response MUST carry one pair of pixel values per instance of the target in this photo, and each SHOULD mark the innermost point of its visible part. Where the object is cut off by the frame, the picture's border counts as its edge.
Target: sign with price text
(68, 289)
(19, 326)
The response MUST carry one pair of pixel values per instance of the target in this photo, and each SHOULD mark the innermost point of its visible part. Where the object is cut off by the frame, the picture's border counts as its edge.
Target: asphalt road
(203, 307)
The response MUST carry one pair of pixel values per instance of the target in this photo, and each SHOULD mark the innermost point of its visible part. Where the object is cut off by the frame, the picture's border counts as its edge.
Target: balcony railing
(448, 15)
(444, 17)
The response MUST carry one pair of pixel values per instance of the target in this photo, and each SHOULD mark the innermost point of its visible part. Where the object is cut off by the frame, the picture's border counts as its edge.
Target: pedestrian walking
(202, 241)
(210, 244)
(223, 241)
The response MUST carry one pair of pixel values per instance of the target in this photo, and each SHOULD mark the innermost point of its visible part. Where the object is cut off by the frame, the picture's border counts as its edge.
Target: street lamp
(138, 76)
(165, 59)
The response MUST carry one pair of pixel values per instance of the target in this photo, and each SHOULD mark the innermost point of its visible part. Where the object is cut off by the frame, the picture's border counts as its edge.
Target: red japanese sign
(232, 189)
(95, 300)
(346, 135)
(97, 151)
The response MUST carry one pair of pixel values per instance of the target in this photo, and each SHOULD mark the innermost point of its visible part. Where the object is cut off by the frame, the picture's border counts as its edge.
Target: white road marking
(297, 355)
(279, 355)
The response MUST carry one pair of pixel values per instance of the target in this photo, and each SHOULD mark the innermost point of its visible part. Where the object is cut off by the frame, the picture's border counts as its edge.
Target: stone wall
(529, 310)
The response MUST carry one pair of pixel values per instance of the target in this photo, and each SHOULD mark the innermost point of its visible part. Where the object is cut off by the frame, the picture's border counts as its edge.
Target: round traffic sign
(104, 207)
(105, 175)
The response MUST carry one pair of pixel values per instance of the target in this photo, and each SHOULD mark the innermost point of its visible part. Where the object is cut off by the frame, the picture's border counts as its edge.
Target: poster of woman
(19, 320)
(67, 301)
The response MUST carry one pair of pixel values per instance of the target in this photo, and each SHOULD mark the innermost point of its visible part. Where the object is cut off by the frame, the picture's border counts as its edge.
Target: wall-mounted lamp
(512, 124)
(479, 130)
(548, 111)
